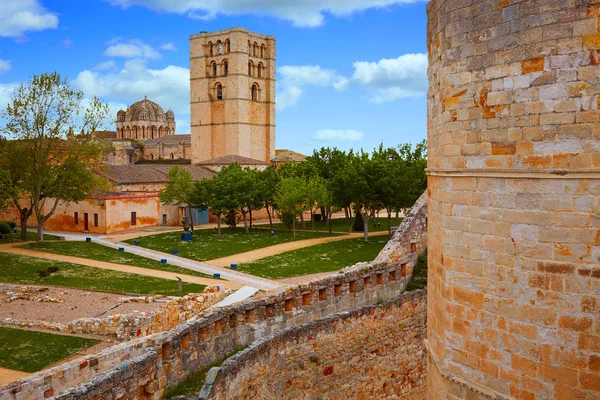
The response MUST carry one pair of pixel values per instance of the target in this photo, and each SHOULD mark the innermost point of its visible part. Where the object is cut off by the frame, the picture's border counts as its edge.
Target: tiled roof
(122, 174)
(171, 139)
(226, 160)
(288, 155)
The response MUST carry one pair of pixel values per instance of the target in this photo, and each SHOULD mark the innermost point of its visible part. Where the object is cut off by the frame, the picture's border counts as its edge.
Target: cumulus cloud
(168, 47)
(338, 135)
(389, 79)
(294, 80)
(302, 13)
(20, 16)
(132, 49)
(5, 66)
(103, 66)
(169, 87)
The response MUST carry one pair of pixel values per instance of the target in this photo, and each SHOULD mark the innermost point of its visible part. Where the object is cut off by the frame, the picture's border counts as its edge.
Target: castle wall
(374, 352)
(514, 187)
(143, 368)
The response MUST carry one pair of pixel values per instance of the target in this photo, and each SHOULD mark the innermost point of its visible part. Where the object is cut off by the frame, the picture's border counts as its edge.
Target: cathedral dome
(145, 110)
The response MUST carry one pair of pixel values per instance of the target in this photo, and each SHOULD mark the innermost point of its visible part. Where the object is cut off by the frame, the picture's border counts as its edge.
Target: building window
(95, 219)
(262, 50)
(249, 48)
(172, 156)
(250, 67)
(152, 132)
(255, 92)
(225, 68)
(136, 132)
(219, 90)
(210, 49)
(227, 46)
(152, 156)
(214, 68)
(220, 47)
(260, 70)
(76, 218)
(133, 219)
(255, 49)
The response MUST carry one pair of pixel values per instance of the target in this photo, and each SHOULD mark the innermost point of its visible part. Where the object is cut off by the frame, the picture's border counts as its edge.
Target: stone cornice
(581, 173)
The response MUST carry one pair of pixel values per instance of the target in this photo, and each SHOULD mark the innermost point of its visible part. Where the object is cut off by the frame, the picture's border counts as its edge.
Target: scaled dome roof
(145, 110)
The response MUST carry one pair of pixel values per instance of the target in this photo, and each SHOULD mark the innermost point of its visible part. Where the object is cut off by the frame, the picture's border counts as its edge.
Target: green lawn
(339, 225)
(31, 235)
(94, 251)
(31, 351)
(206, 245)
(315, 259)
(24, 270)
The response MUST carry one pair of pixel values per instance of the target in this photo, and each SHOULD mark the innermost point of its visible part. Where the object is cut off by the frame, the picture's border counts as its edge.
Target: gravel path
(14, 249)
(284, 247)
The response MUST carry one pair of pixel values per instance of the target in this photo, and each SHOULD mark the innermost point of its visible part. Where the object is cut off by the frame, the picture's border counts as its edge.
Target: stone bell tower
(232, 88)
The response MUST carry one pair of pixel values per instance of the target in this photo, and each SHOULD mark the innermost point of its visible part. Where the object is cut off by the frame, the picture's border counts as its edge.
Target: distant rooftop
(124, 174)
(230, 159)
(171, 139)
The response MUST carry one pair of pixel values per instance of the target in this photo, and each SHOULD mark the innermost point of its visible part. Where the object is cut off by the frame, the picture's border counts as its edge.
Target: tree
(269, 179)
(178, 190)
(290, 197)
(316, 195)
(55, 133)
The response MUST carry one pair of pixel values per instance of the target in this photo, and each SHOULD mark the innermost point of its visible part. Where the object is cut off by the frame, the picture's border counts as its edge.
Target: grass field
(206, 245)
(315, 259)
(339, 225)
(94, 251)
(24, 270)
(31, 351)
(31, 236)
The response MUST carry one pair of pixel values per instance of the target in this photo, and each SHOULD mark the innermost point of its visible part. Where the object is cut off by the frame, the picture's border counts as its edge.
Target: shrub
(5, 228)
(44, 273)
(286, 218)
(12, 224)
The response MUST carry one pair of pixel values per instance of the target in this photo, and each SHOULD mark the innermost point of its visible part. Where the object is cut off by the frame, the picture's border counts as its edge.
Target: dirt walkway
(13, 248)
(284, 247)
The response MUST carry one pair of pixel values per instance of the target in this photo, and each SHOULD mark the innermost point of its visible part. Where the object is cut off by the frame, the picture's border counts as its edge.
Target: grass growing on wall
(31, 351)
(206, 245)
(419, 274)
(315, 259)
(25, 270)
(94, 251)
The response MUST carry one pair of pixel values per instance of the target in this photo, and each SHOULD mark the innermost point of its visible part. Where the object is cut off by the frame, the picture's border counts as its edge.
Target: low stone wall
(144, 367)
(375, 352)
(127, 326)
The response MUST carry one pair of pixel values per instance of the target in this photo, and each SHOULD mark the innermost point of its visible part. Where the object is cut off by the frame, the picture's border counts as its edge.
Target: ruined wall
(143, 368)
(372, 353)
(514, 183)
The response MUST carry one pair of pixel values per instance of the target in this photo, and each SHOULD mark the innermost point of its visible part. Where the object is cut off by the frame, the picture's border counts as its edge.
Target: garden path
(13, 248)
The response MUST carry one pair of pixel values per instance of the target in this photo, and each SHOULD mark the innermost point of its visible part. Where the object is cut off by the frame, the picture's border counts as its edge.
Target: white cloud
(5, 66)
(67, 42)
(338, 135)
(168, 47)
(110, 64)
(303, 13)
(295, 78)
(169, 87)
(132, 49)
(389, 79)
(6, 92)
(20, 16)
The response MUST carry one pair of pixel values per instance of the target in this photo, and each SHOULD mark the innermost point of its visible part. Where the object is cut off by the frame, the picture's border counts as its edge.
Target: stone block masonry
(514, 189)
(142, 368)
(375, 352)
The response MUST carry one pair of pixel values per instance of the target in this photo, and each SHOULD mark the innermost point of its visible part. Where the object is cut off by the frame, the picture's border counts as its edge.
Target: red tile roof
(144, 173)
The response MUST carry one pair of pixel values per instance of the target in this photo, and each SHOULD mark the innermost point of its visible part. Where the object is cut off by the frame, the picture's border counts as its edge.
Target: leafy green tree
(55, 133)
(291, 196)
(178, 190)
(215, 194)
(269, 179)
(316, 195)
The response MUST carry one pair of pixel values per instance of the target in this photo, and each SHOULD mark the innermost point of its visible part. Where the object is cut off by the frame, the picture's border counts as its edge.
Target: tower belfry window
(219, 91)
(214, 68)
(255, 92)
(225, 68)
(220, 47)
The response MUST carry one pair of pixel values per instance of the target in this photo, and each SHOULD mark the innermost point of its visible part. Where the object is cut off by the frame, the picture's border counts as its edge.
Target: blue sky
(351, 73)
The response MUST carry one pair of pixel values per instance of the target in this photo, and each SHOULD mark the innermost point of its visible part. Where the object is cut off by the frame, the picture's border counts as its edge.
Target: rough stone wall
(514, 184)
(128, 326)
(376, 352)
(143, 368)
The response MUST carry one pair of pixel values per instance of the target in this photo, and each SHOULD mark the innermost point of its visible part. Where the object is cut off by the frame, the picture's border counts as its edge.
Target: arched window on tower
(250, 67)
(227, 46)
(255, 49)
(255, 92)
(262, 50)
(249, 48)
(225, 68)
(260, 70)
(219, 91)
(152, 132)
(210, 48)
(172, 156)
(220, 47)
(213, 67)
(152, 156)
(136, 132)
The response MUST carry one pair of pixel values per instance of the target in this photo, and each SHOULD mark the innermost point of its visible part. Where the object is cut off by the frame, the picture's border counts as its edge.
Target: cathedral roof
(145, 110)
(145, 173)
(171, 139)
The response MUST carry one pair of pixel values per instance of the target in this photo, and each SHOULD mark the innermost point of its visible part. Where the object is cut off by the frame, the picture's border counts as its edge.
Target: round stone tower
(514, 188)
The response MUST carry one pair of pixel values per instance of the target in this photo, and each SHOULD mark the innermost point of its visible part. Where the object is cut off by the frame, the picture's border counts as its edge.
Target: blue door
(202, 217)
